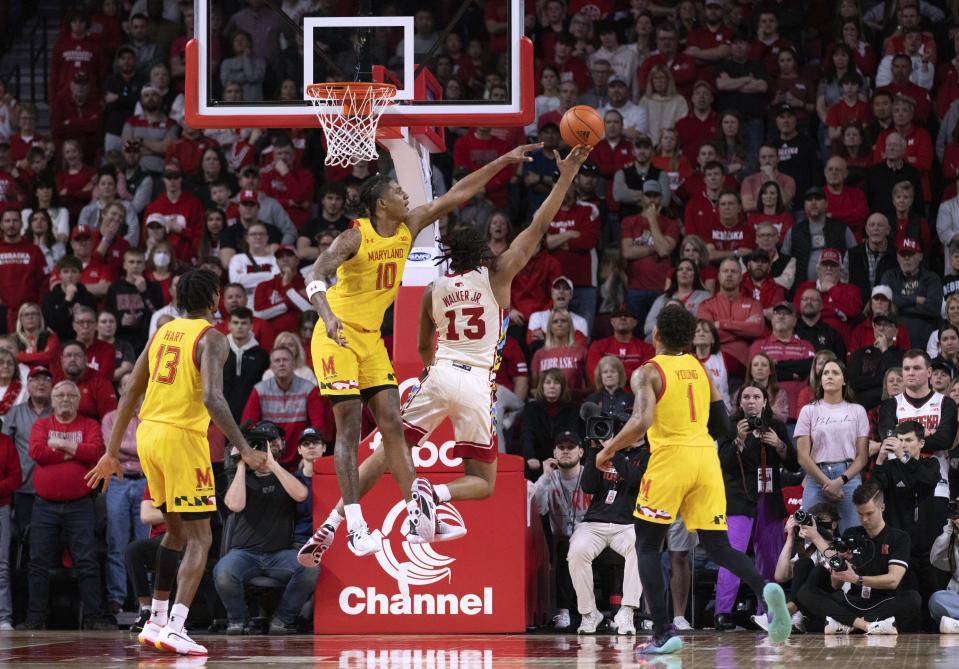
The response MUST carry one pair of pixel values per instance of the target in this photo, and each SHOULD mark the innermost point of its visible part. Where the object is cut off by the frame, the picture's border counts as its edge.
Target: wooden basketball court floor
(700, 651)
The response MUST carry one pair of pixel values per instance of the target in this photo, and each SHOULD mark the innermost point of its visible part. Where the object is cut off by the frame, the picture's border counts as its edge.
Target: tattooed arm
(646, 385)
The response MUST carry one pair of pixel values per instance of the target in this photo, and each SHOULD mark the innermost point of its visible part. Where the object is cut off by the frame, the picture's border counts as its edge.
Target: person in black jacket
(908, 483)
(608, 523)
(868, 365)
(813, 329)
(550, 413)
(133, 299)
(57, 305)
(609, 378)
(246, 362)
(867, 262)
(751, 463)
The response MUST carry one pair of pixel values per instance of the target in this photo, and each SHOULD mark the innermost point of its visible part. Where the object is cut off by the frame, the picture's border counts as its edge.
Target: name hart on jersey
(386, 254)
(462, 296)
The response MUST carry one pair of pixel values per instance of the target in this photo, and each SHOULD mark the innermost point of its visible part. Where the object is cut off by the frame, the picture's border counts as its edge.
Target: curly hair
(675, 327)
(373, 189)
(196, 291)
(465, 249)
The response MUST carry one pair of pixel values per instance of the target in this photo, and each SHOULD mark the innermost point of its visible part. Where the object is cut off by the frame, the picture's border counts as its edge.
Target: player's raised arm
(645, 385)
(427, 329)
(213, 349)
(109, 464)
(511, 261)
(343, 247)
(466, 188)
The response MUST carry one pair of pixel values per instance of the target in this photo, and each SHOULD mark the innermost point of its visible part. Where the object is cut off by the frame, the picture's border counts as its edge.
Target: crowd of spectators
(785, 170)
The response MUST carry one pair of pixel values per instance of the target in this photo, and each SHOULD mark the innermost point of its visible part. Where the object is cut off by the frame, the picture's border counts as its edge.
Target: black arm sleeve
(719, 426)
(945, 434)
(591, 480)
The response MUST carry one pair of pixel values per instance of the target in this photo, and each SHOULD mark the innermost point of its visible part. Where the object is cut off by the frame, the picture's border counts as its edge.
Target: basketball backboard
(318, 46)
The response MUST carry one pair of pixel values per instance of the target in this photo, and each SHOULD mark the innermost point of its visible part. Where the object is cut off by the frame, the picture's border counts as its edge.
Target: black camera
(604, 425)
(952, 510)
(838, 563)
(849, 543)
(260, 435)
(756, 423)
(802, 517)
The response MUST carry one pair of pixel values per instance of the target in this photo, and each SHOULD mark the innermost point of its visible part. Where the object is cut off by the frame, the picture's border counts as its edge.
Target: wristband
(859, 580)
(845, 479)
(314, 287)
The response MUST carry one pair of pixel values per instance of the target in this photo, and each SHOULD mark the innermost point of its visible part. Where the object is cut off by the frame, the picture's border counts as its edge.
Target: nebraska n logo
(328, 368)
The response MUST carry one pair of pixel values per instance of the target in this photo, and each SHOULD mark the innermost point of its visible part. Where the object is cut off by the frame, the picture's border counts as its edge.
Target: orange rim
(338, 90)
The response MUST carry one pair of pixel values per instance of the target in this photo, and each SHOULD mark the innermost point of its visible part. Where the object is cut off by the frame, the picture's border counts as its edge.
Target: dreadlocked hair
(464, 247)
(196, 291)
(372, 190)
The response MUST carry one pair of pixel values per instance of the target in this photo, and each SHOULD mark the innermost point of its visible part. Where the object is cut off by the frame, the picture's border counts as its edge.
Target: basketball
(582, 125)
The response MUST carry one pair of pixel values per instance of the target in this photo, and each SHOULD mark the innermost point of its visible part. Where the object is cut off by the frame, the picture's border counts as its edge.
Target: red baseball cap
(284, 248)
(249, 195)
(831, 255)
(907, 245)
(37, 370)
(81, 231)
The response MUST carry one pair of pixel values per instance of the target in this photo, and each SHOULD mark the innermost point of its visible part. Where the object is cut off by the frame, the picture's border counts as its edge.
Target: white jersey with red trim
(928, 415)
(470, 324)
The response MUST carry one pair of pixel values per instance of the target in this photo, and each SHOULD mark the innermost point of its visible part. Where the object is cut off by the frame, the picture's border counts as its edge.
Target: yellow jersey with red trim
(682, 407)
(366, 284)
(174, 393)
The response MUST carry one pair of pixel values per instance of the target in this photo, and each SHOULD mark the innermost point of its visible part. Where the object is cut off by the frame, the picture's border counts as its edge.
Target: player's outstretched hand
(574, 159)
(518, 155)
(334, 330)
(104, 469)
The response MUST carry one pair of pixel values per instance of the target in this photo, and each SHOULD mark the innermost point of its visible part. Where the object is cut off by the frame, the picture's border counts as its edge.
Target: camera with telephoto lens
(952, 510)
(603, 426)
(756, 423)
(802, 517)
(847, 543)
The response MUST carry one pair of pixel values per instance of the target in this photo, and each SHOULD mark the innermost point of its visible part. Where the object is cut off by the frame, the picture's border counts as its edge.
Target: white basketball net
(349, 114)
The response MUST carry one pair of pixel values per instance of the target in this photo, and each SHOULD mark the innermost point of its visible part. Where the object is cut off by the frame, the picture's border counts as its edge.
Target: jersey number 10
(385, 275)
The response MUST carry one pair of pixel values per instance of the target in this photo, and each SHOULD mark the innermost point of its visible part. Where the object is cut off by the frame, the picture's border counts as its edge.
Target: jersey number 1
(168, 357)
(692, 404)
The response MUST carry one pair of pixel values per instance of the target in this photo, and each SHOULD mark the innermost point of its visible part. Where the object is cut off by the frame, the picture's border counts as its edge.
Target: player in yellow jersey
(179, 377)
(349, 356)
(681, 413)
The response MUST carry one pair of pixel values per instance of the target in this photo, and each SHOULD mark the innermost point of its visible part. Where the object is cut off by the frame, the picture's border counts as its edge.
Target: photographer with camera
(752, 462)
(559, 494)
(260, 528)
(865, 571)
(798, 556)
(908, 483)
(944, 604)
(608, 522)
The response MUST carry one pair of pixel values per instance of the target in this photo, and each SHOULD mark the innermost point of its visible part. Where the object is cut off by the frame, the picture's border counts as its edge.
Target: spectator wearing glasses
(64, 446)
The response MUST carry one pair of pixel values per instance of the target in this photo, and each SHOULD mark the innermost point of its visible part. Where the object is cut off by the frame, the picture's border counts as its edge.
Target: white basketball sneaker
(444, 532)
(590, 622)
(422, 510)
(363, 542)
(149, 634)
(624, 620)
(833, 626)
(312, 551)
(884, 626)
(178, 641)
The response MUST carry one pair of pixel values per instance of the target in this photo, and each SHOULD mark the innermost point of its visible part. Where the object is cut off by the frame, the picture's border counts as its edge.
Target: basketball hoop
(349, 113)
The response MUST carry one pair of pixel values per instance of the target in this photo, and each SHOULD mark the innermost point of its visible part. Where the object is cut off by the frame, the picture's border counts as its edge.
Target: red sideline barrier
(480, 583)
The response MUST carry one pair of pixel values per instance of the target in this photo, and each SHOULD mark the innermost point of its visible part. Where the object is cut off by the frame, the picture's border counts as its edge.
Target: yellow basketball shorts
(687, 479)
(177, 466)
(346, 371)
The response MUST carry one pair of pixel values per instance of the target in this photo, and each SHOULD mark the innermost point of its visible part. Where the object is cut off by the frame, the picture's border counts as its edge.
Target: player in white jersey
(470, 320)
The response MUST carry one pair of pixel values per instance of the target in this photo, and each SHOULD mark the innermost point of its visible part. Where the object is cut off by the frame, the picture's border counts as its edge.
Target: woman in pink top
(832, 436)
